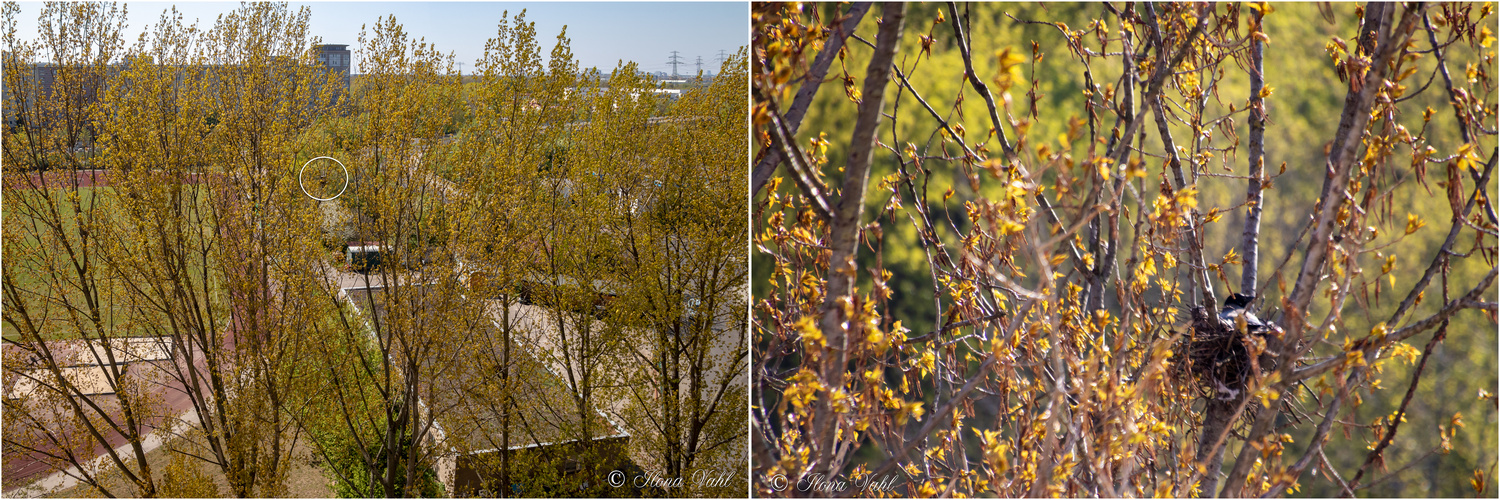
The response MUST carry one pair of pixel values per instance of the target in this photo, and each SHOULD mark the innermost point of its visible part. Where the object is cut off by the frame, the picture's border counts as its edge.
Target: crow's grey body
(1235, 308)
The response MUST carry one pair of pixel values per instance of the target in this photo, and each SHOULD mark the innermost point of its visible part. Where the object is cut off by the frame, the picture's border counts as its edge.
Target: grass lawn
(37, 259)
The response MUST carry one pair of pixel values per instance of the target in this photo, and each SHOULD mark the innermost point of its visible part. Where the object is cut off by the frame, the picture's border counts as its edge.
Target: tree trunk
(846, 221)
(1217, 416)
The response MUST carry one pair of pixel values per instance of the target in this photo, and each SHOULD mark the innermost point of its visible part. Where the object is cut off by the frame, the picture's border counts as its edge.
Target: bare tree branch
(783, 140)
(1458, 109)
(1250, 240)
(1400, 415)
(812, 81)
(1386, 43)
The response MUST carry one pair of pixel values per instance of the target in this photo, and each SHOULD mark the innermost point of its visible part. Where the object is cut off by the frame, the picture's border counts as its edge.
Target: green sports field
(43, 249)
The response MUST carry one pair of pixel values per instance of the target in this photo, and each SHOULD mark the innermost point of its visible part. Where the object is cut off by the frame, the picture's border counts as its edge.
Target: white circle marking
(309, 162)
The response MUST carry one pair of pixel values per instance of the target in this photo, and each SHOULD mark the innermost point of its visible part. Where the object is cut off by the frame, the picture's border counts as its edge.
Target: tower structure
(674, 61)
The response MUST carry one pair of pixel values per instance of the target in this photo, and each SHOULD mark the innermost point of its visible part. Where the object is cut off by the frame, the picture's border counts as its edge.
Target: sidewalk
(68, 478)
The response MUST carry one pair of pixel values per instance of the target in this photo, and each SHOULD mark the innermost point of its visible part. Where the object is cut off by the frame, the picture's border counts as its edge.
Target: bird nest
(1217, 357)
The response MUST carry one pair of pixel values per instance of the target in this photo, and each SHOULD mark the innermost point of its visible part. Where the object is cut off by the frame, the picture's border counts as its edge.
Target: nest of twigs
(1216, 356)
(1216, 359)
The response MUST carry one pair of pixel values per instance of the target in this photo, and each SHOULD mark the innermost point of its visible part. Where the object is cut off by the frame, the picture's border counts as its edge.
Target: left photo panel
(374, 249)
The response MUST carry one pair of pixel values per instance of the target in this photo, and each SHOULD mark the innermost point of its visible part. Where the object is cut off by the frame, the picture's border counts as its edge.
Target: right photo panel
(1123, 249)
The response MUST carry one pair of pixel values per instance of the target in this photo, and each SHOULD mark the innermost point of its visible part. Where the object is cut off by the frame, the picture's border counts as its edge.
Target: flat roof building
(335, 57)
(543, 434)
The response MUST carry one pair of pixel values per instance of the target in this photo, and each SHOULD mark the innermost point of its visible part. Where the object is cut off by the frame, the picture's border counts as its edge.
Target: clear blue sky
(602, 33)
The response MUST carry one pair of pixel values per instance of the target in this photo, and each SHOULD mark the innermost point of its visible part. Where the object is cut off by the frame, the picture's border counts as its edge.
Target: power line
(700, 64)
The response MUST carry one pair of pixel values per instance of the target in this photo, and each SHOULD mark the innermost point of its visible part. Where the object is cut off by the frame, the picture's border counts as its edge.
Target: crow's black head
(1238, 300)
